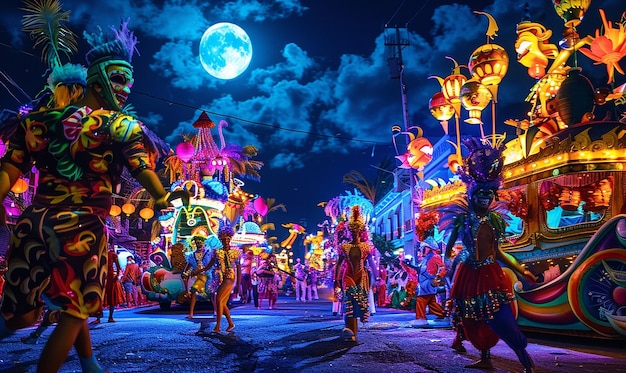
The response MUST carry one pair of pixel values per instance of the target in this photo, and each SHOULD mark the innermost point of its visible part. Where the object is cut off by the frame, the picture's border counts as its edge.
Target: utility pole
(396, 39)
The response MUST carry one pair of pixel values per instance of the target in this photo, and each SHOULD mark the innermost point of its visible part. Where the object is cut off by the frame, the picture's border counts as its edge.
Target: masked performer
(355, 280)
(481, 292)
(79, 144)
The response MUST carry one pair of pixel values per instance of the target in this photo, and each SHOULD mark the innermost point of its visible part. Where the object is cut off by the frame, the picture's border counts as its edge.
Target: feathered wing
(44, 23)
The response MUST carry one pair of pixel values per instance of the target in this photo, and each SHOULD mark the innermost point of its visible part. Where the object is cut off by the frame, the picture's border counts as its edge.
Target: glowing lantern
(146, 213)
(128, 208)
(185, 151)
(489, 64)
(474, 97)
(419, 152)
(20, 186)
(572, 11)
(441, 109)
(115, 210)
(218, 162)
(451, 87)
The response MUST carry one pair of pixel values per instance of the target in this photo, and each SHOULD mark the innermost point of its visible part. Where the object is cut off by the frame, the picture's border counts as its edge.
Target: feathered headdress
(483, 166)
(118, 46)
(43, 22)
(356, 219)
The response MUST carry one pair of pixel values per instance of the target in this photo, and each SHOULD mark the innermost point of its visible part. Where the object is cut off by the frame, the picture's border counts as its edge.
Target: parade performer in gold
(355, 280)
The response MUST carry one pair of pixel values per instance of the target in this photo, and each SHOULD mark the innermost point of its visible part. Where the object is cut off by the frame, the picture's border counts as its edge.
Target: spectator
(312, 284)
(300, 275)
(381, 288)
(130, 280)
(114, 295)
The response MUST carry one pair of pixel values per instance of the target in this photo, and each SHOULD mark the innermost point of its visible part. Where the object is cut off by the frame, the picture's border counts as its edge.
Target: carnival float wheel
(594, 292)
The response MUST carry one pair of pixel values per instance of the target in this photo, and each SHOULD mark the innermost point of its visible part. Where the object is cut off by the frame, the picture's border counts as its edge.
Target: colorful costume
(355, 277)
(356, 281)
(226, 263)
(80, 154)
(268, 284)
(199, 259)
(481, 292)
(80, 141)
(431, 269)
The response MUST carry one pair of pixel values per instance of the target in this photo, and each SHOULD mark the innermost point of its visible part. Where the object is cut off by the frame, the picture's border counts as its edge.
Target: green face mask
(116, 80)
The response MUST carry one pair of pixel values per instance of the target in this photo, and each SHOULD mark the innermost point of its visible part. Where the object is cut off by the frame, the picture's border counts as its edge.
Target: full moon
(225, 50)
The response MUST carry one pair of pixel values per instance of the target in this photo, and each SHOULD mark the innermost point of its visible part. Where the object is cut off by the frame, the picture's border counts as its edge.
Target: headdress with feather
(43, 22)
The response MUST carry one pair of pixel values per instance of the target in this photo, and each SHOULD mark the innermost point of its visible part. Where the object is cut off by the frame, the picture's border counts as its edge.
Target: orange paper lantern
(146, 213)
(20, 186)
(115, 210)
(128, 208)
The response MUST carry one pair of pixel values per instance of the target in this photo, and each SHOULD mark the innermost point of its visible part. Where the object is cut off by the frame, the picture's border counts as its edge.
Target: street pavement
(300, 337)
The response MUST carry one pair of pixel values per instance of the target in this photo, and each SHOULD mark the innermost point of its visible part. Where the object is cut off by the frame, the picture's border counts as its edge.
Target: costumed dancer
(268, 285)
(481, 291)
(340, 236)
(355, 281)
(228, 270)
(62, 234)
(431, 273)
(197, 266)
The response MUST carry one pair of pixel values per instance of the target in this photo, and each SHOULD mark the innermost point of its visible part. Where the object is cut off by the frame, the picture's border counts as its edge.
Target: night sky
(317, 99)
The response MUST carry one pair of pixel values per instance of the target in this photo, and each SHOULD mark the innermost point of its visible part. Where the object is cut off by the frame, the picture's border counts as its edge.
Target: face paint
(482, 199)
(115, 79)
(121, 81)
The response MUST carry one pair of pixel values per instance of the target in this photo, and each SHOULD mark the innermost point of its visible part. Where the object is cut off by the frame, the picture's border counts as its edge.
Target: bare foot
(189, 317)
(230, 328)
(111, 320)
(217, 330)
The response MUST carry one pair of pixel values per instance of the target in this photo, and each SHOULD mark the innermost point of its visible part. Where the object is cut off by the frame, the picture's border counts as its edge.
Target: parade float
(208, 173)
(564, 179)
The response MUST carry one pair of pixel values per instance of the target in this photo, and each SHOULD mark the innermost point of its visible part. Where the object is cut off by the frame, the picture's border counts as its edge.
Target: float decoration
(608, 48)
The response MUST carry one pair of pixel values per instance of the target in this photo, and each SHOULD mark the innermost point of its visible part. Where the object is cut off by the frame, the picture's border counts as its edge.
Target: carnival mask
(120, 80)
(482, 199)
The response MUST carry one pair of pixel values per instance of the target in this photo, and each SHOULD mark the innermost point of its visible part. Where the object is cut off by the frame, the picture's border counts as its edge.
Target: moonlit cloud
(259, 11)
(177, 62)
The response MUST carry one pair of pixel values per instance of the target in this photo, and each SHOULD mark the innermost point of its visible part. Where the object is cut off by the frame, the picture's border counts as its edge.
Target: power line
(418, 11)
(396, 12)
(273, 126)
